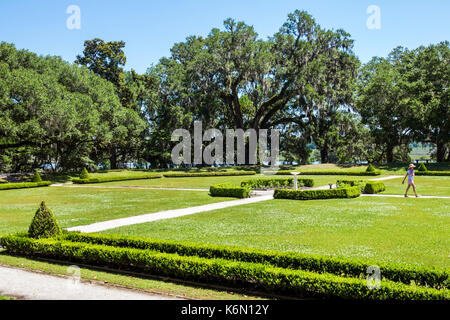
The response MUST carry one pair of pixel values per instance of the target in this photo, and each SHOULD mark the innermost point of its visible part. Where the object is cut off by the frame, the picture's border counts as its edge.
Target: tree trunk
(324, 154)
(440, 152)
(390, 154)
(113, 157)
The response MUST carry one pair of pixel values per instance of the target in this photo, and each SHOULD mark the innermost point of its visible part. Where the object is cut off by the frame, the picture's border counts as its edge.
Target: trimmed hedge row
(351, 183)
(349, 192)
(208, 174)
(373, 187)
(229, 190)
(330, 173)
(23, 185)
(432, 173)
(246, 274)
(111, 179)
(292, 260)
(276, 182)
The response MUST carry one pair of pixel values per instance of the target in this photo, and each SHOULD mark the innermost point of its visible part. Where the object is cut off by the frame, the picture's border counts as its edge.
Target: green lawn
(413, 231)
(425, 186)
(80, 206)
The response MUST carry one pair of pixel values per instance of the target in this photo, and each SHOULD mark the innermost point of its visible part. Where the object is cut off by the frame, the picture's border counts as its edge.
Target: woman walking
(410, 175)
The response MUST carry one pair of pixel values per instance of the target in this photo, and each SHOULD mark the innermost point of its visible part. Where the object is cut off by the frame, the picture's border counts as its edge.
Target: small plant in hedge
(370, 168)
(422, 167)
(84, 174)
(36, 177)
(44, 224)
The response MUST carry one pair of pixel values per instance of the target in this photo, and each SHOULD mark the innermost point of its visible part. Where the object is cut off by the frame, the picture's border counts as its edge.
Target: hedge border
(432, 173)
(261, 276)
(208, 174)
(24, 185)
(328, 173)
(276, 182)
(229, 190)
(292, 260)
(112, 179)
(339, 193)
(374, 187)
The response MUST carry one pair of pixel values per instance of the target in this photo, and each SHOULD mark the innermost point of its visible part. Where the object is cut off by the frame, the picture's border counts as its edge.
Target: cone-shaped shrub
(36, 177)
(422, 167)
(370, 168)
(44, 224)
(84, 174)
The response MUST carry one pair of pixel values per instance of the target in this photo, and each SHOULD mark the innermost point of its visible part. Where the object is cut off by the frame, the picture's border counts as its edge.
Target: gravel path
(37, 286)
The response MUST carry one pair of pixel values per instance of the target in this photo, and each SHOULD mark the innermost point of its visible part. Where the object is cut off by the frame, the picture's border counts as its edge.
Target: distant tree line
(304, 81)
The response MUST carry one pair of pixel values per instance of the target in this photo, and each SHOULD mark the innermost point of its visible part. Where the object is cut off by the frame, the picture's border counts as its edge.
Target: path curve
(31, 285)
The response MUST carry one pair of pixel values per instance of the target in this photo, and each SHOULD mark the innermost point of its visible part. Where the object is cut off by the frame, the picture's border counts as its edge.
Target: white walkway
(169, 214)
(37, 286)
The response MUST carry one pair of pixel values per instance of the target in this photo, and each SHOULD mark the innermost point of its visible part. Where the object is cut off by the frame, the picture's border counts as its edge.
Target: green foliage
(119, 178)
(208, 174)
(370, 168)
(44, 224)
(258, 276)
(84, 174)
(36, 177)
(349, 192)
(432, 173)
(293, 260)
(373, 187)
(229, 190)
(330, 173)
(351, 183)
(23, 185)
(268, 183)
(422, 167)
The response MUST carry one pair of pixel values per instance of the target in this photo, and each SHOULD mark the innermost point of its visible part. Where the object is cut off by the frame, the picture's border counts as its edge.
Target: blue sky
(151, 27)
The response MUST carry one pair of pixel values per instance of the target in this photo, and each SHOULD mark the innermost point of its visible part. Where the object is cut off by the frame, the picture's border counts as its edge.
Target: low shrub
(84, 174)
(328, 173)
(292, 260)
(422, 167)
(370, 168)
(36, 177)
(267, 183)
(229, 190)
(432, 173)
(243, 274)
(119, 178)
(44, 224)
(208, 174)
(349, 192)
(351, 183)
(23, 185)
(373, 187)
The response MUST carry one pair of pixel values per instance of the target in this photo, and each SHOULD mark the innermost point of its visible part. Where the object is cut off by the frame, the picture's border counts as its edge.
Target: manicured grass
(151, 285)
(80, 206)
(425, 186)
(6, 298)
(412, 231)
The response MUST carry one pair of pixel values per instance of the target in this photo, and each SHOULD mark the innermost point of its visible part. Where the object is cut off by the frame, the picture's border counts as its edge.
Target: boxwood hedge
(373, 187)
(244, 274)
(208, 174)
(348, 192)
(432, 173)
(229, 190)
(23, 185)
(328, 173)
(265, 183)
(119, 178)
(292, 260)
